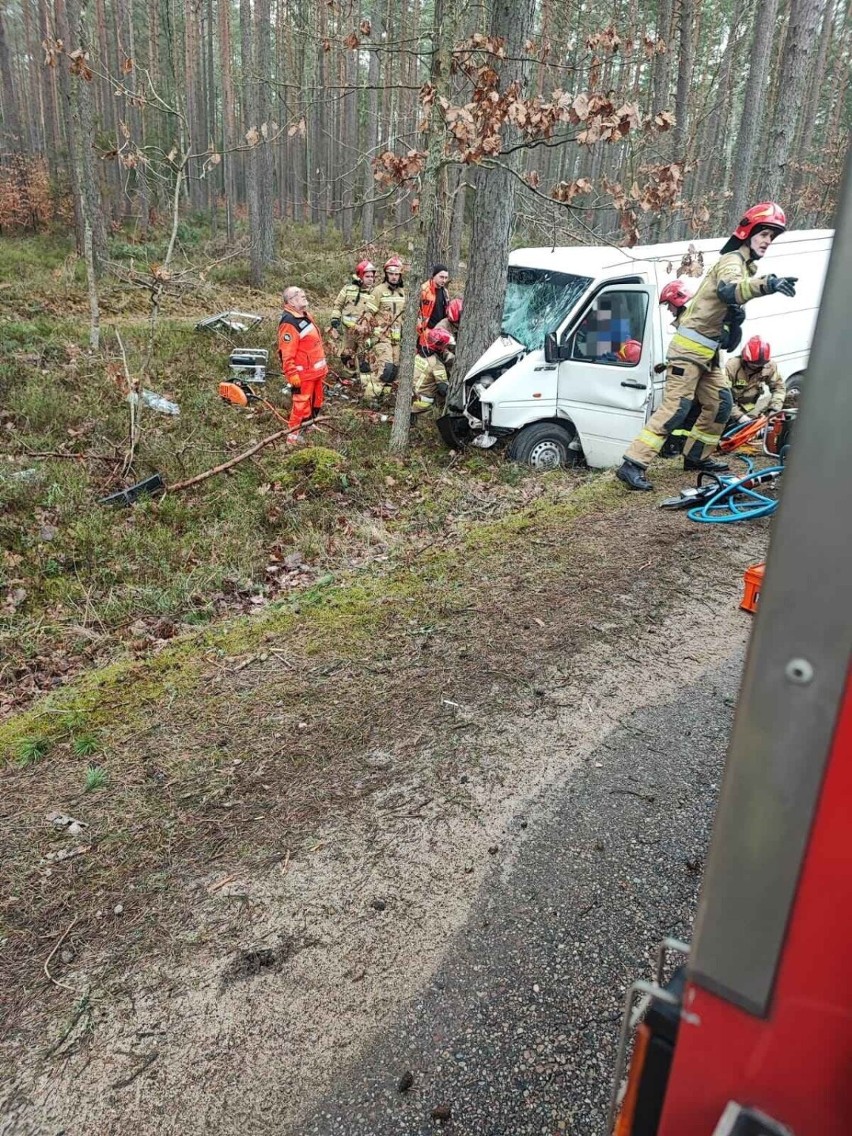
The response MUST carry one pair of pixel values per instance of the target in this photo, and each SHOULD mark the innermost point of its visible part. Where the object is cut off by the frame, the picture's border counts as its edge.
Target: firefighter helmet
(392, 264)
(757, 352)
(630, 351)
(675, 293)
(437, 339)
(454, 309)
(766, 215)
(363, 267)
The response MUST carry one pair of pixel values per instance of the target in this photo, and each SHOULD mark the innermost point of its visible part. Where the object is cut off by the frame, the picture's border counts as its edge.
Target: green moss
(315, 468)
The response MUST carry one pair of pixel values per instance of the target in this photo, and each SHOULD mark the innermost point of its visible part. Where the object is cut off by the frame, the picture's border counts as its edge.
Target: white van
(553, 387)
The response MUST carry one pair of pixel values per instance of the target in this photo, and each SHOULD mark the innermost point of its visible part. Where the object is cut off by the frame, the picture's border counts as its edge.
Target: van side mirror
(551, 348)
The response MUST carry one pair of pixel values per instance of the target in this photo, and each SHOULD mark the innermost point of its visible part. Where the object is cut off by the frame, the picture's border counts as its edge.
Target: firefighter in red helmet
(430, 372)
(450, 324)
(346, 314)
(693, 361)
(382, 321)
(756, 383)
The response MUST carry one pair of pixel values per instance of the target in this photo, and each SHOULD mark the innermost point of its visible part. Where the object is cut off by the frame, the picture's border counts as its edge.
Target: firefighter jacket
(747, 386)
(701, 327)
(300, 348)
(452, 329)
(384, 310)
(350, 303)
(433, 308)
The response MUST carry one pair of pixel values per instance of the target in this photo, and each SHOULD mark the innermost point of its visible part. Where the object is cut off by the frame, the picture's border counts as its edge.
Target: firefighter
(450, 323)
(756, 383)
(434, 299)
(430, 372)
(382, 319)
(676, 297)
(346, 314)
(303, 364)
(692, 360)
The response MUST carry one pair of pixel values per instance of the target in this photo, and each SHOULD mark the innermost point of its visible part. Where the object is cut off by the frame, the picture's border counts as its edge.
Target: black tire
(545, 446)
(794, 388)
(455, 431)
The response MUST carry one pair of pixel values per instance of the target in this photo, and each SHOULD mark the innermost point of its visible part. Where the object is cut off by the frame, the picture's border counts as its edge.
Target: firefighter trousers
(686, 381)
(307, 401)
(385, 358)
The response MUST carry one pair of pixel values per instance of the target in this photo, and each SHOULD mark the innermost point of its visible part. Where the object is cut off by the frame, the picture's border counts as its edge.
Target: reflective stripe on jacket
(706, 313)
(385, 307)
(350, 303)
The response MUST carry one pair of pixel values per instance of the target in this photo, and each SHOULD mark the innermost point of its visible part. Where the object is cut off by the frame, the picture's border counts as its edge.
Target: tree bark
(11, 118)
(752, 110)
(798, 47)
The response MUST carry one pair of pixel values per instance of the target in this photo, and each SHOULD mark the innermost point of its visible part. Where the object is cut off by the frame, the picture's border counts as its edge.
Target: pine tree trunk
(229, 117)
(799, 45)
(252, 172)
(12, 138)
(372, 132)
(752, 110)
(265, 231)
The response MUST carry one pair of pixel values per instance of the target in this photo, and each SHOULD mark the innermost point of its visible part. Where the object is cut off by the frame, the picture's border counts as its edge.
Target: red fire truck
(753, 1037)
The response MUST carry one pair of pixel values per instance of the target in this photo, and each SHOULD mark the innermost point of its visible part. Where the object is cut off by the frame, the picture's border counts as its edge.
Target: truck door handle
(636, 386)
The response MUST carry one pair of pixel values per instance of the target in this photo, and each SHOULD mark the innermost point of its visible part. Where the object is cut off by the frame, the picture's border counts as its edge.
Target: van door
(606, 370)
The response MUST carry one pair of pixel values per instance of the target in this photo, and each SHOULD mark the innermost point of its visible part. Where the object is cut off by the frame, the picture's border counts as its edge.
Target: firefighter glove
(786, 285)
(295, 383)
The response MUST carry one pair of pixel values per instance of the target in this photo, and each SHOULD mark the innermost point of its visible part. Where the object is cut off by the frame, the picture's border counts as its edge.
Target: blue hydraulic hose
(724, 507)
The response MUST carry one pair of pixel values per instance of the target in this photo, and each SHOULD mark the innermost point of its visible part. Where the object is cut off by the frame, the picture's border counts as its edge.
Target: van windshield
(537, 300)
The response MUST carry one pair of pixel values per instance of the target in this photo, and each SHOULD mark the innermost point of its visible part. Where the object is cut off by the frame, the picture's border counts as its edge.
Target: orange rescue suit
(302, 356)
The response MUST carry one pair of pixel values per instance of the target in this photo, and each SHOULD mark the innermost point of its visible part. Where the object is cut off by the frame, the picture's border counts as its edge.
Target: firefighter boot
(633, 475)
(705, 465)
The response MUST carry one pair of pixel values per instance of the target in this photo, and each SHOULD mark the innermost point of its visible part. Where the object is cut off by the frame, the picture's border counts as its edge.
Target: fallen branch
(62, 939)
(234, 461)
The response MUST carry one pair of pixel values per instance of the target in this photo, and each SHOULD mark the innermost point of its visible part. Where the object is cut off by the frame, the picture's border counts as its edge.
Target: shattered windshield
(537, 300)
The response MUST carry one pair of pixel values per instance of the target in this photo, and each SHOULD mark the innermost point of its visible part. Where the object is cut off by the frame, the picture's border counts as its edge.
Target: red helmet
(393, 262)
(455, 309)
(438, 339)
(363, 267)
(630, 351)
(766, 215)
(675, 293)
(757, 352)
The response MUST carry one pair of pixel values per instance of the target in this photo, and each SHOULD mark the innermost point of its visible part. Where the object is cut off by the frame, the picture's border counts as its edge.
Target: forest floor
(262, 739)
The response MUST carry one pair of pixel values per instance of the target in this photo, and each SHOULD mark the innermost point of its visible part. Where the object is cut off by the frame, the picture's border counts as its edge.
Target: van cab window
(537, 300)
(612, 330)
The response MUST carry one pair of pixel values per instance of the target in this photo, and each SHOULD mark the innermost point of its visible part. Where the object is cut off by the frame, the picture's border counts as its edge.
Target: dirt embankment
(315, 823)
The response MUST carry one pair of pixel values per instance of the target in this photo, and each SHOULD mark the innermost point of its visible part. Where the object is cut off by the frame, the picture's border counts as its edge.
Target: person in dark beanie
(433, 301)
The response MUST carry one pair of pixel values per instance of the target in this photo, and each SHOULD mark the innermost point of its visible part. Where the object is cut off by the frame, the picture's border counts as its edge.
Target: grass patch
(96, 778)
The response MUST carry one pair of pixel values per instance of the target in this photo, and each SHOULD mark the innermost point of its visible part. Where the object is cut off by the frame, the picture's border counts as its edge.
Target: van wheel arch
(546, 445)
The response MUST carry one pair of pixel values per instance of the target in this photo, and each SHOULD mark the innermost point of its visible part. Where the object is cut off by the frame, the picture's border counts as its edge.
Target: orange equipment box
(753, 578)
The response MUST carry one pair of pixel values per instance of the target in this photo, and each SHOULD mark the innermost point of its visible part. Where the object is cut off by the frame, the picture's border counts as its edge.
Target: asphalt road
(516, 1033)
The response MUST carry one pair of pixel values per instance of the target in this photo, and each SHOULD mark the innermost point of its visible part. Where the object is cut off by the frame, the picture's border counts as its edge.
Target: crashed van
(559, 386)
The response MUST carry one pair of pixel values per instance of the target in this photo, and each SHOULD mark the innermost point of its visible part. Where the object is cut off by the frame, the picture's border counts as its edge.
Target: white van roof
(595, 260)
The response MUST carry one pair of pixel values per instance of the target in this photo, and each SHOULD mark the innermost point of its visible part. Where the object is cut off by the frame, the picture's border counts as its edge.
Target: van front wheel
(544, 446)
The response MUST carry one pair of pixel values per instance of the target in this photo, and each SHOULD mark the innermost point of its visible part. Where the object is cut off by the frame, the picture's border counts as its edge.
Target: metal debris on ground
(132, 493)
(229, 322)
